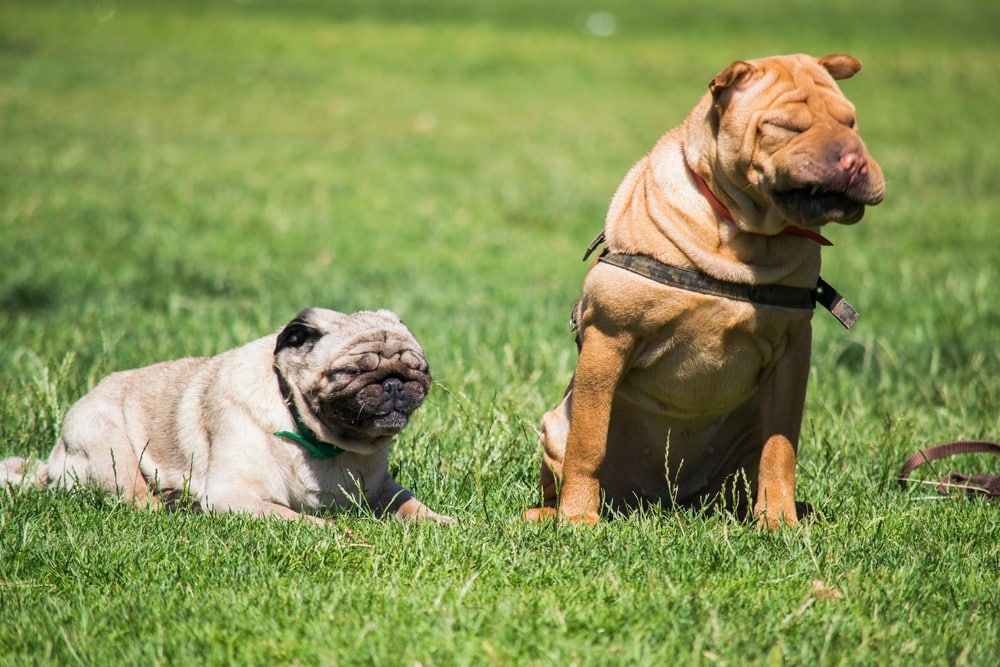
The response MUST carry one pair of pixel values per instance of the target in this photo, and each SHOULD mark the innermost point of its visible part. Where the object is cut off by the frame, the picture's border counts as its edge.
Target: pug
(287, 425)
(694, 326)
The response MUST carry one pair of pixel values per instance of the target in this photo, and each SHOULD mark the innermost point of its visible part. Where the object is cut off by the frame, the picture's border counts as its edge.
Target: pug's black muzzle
(378, 407)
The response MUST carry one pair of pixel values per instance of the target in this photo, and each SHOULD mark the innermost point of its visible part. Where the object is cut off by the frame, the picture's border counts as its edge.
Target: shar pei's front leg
(587, 406)
(782, 402)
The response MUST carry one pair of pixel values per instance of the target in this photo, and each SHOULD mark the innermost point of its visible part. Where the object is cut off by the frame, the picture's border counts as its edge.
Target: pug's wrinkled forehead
(338, 334)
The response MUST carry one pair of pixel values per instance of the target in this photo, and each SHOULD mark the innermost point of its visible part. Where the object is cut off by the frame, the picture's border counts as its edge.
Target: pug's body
(292, 423)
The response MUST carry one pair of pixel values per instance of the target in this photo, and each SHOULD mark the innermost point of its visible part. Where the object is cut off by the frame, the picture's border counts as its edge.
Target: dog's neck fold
(303, 435)
(723, 212)
(659, 210)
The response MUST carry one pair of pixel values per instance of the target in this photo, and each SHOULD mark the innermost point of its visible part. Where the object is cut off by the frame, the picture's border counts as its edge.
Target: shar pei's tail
(18, 471)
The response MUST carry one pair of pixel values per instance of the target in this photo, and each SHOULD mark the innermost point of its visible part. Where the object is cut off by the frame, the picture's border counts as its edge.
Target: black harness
(802, 298)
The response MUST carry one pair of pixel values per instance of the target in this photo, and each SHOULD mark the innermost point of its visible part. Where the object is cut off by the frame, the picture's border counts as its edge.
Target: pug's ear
(297, 333)
(840, 65)
(729, 80)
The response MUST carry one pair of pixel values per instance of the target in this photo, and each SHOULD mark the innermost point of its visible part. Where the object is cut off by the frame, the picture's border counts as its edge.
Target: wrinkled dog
(291, 423)
(694, 325)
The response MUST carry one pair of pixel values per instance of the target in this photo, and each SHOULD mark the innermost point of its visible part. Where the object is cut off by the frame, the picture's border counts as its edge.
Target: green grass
(180, 177)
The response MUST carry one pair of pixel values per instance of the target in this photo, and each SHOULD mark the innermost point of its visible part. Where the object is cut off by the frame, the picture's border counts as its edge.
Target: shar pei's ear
(298, 333)
(840, 65)
(729, 80)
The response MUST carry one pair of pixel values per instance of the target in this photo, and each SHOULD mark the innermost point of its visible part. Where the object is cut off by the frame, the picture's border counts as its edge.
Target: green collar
(305, 437)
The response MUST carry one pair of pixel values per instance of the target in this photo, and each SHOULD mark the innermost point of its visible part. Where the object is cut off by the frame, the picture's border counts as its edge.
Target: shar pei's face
(788, 138)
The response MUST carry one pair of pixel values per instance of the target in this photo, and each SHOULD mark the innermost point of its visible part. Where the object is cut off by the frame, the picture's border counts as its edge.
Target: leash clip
(830, 298)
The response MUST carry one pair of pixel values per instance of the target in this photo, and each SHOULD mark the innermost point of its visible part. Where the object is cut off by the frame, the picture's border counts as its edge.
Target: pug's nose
(393, 386)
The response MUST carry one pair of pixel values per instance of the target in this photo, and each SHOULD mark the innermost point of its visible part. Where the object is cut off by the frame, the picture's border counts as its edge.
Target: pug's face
(361, 375)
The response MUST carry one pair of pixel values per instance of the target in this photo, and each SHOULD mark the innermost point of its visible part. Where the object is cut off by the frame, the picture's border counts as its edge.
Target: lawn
(178, 178)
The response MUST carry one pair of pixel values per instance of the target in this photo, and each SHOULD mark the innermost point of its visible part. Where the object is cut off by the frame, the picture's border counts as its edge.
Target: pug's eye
(367, 362)
(413, 361)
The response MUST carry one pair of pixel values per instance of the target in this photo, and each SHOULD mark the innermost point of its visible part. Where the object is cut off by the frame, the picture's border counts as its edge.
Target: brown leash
(980, 484)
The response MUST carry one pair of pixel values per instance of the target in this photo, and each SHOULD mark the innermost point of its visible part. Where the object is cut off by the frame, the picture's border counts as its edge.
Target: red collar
(721, 209)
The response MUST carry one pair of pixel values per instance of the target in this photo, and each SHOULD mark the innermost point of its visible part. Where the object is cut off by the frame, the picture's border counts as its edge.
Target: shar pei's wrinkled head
(788, 140)
(360, 375)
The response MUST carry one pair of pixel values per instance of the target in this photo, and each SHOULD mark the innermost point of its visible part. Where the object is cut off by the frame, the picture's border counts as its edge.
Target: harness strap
(802, 298)
(783, 296)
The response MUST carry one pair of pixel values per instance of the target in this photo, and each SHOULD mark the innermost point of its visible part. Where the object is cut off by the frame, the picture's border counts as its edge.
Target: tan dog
(291, 423)
(687, 386)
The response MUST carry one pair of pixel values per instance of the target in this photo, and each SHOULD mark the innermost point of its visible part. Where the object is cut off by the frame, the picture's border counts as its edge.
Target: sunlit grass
(180, 178)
